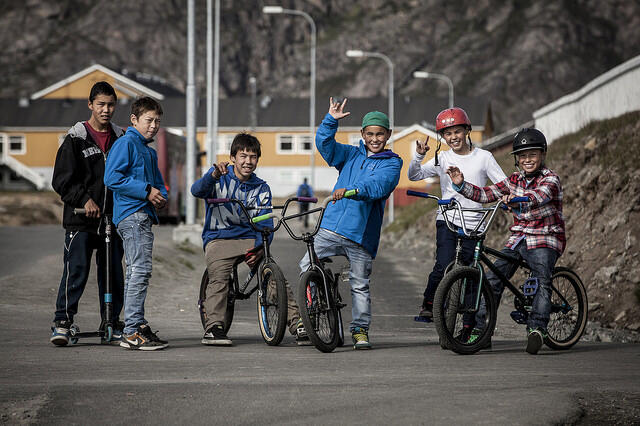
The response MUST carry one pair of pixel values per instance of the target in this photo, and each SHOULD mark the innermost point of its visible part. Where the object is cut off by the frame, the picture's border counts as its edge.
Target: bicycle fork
(475, 264)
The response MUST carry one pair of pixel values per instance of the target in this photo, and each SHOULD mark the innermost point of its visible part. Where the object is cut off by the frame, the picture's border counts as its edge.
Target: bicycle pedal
(519, 317)
(418, 318)
(341, 305)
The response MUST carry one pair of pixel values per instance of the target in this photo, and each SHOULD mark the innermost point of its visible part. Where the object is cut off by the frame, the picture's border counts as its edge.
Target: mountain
(518, 54)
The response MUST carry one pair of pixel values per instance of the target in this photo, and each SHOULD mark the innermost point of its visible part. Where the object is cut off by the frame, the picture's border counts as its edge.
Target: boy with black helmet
(453, 125)
(537, 233)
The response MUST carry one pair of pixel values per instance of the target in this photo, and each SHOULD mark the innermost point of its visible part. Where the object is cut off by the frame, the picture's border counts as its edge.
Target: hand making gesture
(456, 175)
(336, 109)
(422, 147)
(219, 169)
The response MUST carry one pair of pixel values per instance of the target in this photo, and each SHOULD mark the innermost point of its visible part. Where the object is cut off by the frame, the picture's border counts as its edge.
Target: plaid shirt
(540, 220)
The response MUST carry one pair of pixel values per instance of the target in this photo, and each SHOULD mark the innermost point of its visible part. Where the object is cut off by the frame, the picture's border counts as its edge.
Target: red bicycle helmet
(452, 117)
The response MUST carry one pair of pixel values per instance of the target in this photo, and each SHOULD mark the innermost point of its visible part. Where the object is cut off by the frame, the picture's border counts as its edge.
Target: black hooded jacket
(78, 175)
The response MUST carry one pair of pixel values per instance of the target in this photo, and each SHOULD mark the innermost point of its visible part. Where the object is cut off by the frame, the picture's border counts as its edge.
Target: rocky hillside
(520, 55)
(601, 183)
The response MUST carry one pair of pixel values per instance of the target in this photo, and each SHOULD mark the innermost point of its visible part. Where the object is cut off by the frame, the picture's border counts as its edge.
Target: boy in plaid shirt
(537, 233)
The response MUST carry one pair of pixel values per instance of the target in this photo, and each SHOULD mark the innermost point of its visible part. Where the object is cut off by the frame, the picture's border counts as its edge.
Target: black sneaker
(425, 314)
(535, 339)
(216, 336)
(60, 333)
(143, 339)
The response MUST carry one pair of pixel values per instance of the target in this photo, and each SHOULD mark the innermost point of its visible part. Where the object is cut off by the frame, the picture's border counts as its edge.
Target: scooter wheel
(72, 332)
(108, 333)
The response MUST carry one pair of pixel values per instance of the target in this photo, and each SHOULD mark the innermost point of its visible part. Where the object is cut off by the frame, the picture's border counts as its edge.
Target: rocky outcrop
(519, 55)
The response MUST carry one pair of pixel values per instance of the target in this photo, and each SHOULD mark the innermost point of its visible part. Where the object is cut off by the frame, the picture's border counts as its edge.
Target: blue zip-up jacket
(358, 218)
(226, 221)
(131, 166)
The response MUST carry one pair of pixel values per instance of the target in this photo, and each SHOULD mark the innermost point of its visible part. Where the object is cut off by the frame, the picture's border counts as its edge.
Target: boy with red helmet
(454, 127)
(537, 234)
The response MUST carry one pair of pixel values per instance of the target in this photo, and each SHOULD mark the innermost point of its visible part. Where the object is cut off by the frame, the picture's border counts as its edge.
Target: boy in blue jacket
(132, 173)
(351, 226)
(228, 236)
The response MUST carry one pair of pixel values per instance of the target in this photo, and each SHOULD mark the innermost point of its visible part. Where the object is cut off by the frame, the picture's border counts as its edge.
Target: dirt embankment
(598, 167)
(30, 208)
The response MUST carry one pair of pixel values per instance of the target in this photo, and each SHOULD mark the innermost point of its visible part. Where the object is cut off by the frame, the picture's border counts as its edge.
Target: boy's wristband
(457, 188)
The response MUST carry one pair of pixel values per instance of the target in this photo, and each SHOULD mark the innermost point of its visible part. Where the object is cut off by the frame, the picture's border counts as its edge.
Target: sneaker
(60, 333)
(143, 340)
(360, 338)
(302, 338)
(116, 337)
(473, 336)
(216, 336)
(535, 339)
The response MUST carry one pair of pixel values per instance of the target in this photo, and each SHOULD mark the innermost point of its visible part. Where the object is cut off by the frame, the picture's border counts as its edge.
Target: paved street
(406, 379)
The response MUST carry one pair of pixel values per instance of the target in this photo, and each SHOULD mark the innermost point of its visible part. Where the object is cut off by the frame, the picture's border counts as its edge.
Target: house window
(354, 139)
(294, 144)
(285, 144)
(3, 138)
(304, 144)
(17, 145)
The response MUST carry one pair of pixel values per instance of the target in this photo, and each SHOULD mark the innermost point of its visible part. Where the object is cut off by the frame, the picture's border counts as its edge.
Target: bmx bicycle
(319, 299)
(265, 277)
(464, 290)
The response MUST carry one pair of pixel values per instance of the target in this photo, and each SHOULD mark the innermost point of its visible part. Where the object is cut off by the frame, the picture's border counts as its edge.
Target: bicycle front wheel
(272, 304)
(318, 311)
(457, 301)
(568, 317)
(228, 317)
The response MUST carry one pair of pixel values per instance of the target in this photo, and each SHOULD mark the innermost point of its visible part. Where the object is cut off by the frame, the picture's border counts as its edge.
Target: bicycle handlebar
(307, 199)
(453, 204)
(79, 211)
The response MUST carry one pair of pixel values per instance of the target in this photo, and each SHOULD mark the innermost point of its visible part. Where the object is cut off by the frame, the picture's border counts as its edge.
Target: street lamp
(425, 74)
(312, 89)
(361, 54)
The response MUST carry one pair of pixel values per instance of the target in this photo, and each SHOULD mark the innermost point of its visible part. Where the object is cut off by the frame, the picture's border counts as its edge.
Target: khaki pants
(220, 256)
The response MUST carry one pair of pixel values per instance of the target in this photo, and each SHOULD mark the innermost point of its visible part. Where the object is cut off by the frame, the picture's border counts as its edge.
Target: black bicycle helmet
(528, 138)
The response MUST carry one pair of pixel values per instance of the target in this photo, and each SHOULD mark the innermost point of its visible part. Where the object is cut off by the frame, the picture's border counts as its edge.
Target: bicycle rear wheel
(272, 304)
(455, 304)
(318, 311)
(568, 317)
(228, 317)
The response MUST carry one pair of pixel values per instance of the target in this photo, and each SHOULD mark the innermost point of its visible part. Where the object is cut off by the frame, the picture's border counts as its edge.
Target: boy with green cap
(351, 226)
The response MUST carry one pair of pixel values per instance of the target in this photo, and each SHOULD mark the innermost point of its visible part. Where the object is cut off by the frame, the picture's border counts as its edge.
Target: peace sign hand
(422, 147)
(336, 109)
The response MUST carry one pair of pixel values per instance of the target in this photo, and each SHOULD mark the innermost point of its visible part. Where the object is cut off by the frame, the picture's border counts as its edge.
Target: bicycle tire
(319, 318)
(449, 309)
(228, 317)
(272, 314)
(566, 323)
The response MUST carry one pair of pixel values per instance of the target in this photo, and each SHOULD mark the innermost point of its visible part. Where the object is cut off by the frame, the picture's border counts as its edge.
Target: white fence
(612, 94)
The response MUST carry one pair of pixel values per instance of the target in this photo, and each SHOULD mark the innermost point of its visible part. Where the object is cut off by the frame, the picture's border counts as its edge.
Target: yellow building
(31, 130)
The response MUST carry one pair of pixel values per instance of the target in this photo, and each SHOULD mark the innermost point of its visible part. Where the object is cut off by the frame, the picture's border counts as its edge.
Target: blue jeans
(330, 244)
(137, 238)
(541, 261)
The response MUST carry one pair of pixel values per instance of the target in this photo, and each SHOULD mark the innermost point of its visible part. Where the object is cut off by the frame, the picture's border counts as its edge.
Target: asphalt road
(405, 379)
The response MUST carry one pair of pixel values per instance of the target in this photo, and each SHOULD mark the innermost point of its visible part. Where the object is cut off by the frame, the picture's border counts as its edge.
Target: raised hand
(336, 109)
(422, 147)
(219, 169)
(456, 175)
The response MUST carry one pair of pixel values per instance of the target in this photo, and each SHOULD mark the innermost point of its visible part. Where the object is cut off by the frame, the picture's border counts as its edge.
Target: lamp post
(425, 74)
(191, 113)
(312, 85)
(361, 54)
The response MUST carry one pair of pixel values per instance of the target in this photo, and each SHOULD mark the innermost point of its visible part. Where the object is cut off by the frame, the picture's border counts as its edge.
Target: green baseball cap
(375, 118)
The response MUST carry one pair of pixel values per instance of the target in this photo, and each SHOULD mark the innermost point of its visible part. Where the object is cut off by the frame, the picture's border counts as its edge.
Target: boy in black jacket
(78, 178)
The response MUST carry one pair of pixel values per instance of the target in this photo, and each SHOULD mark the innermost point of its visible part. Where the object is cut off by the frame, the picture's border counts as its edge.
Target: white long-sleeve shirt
(476, 166)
